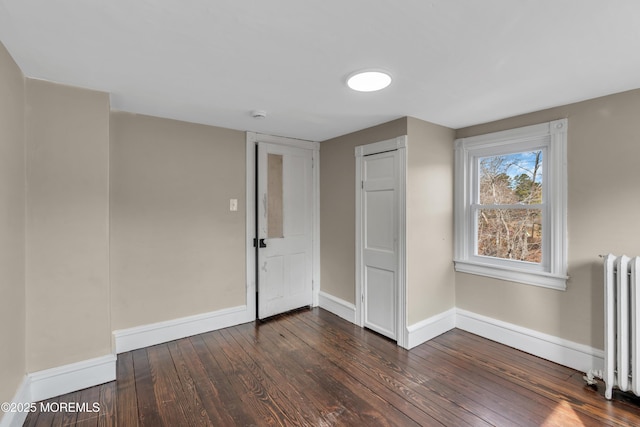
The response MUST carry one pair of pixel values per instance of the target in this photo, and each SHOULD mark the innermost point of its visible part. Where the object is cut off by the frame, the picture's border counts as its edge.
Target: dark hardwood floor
(312, 368)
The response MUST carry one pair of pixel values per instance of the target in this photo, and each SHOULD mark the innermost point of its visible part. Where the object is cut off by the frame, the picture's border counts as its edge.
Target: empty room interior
(191, 192)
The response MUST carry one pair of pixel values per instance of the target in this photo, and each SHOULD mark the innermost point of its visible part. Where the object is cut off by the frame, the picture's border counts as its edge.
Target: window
(510, 205)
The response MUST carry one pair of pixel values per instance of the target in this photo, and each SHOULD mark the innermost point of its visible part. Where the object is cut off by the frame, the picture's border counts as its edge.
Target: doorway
(380, 238)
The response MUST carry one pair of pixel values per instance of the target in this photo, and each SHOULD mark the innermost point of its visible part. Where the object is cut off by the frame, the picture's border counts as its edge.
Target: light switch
(233, 205)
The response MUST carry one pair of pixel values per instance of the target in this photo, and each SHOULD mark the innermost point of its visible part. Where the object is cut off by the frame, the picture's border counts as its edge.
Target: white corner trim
(22, 397)
(427, 329)
(338, 306)
(564, 352)
(75, 376)
(157, 333)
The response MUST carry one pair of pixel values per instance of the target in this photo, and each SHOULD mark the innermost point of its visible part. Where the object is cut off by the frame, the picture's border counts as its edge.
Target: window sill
(536, 278)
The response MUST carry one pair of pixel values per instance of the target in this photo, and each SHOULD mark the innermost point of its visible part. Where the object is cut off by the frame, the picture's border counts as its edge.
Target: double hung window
(510, 205)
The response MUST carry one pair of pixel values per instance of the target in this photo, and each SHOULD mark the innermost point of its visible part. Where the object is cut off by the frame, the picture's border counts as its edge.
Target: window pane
(275, 205)
(511, 179)
(510, 234)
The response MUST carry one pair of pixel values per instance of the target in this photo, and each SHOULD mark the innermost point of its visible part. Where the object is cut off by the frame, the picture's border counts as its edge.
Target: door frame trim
(400, 144)
(251, 140)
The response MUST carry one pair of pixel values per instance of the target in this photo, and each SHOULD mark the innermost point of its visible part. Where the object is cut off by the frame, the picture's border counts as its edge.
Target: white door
(380, 212)
(285, 228)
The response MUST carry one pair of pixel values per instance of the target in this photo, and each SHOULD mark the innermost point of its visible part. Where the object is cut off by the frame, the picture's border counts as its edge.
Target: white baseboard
(337, 306)
(564, 352)
(430, 328)
(568, 353)
(75, 376)
(60, 380)
(157, 333)
(22, 396)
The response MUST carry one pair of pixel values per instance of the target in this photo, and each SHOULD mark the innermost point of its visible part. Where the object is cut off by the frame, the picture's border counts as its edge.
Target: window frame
(551, 138)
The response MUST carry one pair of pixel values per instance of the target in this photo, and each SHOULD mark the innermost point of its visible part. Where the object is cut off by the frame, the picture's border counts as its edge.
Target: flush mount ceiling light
(369, 80)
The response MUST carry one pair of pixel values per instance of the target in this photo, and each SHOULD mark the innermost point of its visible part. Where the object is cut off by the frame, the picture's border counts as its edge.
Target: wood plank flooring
(312, 368)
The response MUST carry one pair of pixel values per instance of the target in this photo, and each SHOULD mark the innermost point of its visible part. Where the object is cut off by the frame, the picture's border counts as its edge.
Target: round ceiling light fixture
(369, 80)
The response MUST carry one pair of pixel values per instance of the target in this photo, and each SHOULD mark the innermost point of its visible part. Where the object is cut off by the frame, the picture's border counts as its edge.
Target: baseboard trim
(75, 376)
(430, 328)
(161, 332)
(22, 396)
(48, 383)
(564, 352)
(338, 306)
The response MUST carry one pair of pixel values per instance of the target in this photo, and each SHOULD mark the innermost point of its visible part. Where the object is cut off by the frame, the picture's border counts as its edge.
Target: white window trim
(552, 273)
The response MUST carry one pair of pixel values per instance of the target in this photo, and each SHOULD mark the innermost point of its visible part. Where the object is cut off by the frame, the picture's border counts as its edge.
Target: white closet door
(380, 241)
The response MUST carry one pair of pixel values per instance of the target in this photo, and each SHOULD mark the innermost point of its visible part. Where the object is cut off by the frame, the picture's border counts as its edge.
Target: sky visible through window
(519, 163)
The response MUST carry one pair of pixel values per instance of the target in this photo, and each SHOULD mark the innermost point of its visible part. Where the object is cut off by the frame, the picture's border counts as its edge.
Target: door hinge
(361, 297)
(362, 184)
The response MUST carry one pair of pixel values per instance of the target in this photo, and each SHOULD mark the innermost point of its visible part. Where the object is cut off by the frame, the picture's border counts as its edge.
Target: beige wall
(430, 280)
(67, 138)
(12, 228)
(176, 249)
(430, 275)
(338, 206)
(604, 199)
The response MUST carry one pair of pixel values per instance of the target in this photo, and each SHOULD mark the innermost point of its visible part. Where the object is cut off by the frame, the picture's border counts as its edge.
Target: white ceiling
(454, 63)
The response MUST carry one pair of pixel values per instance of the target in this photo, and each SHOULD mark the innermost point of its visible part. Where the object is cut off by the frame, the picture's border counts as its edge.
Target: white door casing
(380, 238)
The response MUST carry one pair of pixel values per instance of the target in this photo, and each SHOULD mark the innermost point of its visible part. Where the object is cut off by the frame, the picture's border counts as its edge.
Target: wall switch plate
(233, 205)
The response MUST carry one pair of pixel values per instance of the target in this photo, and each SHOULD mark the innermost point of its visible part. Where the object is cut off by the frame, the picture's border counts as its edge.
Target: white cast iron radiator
(621, 325)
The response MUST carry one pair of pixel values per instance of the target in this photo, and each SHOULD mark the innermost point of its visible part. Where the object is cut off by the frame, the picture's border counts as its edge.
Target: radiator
(622, 327)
